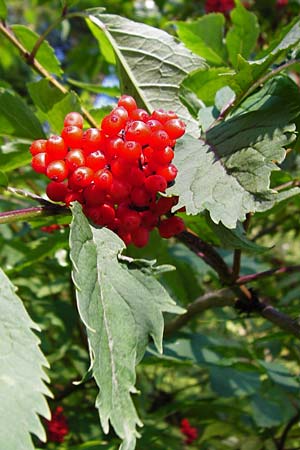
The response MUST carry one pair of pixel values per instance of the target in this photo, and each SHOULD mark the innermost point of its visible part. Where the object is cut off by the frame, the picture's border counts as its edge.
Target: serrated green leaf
(45, 54)
(204, 37)
(14, 155)
(53, 105)
(152, 64)
(22, 386)
(17, 119)
(3, 10)
(242, 36)
(229, 173)
(121, 306)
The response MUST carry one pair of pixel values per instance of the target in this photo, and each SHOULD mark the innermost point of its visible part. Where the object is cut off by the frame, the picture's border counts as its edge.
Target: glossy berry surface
(119, 172)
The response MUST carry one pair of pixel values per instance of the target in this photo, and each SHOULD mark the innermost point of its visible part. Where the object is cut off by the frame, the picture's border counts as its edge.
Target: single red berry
(92, 139)
(154, 125)
(38, 163)
(139, 114)
(164, 205)
(38, 146)
(120, 168)
(140, 197)
(171, 226)
(138, 131)
(147, 153)
(74, 197)
(101, 215)
(164, 156)
(130, 151)
(127, 102)
(72, 136)
(130, 220)
(56, 191)
(57, 170)
(159, 139)
(113, 146)
(149, 219)
(82, 176)
(119, 190)
(140, 237)
(113, 123)
(93, 195)
(56, 148)
(155, 183)
(160, 114)
(175, 128)
(136, 176)
(73, 119)
(103, 179)
(75, 158)
(168, 172)
(96, 160)
(125, 236)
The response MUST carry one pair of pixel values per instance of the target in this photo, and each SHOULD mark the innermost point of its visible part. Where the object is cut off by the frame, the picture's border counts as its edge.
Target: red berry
(139, 114)
(160, 114)
(164, 205)
(136, 176)
(130, 151)
(56, 148)
(159, 139)
(119, 190)
(138, 131)
(94, 195)
(168, 172)
(113, 146)
(113, 123)
(155, 183)
(171, 226)
(164, 156)
(175, 128)
(130, 220)
(74, 197)
(38, 146)
(120, 168)
(101, 215)
(96, 160)
(38, 163)
(82, 176)
(57, 170)
(125, 236)
(103, 179)
(75, 158)
(154, 125)
(72, 136)
(140, 237)
(140, 197)
(56, 191)
(149, 219)
(92, 139)
(73, 119)
(127, 102)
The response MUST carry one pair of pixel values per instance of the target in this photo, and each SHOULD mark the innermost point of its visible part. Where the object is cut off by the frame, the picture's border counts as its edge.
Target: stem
(31, 213)
(27, 194)
(267, 273)
(236, 267)
(290, 424)
(40, 69)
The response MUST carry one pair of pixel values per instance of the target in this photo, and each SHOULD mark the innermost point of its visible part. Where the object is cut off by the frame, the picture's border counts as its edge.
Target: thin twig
(40, 69)
(267, 273)
(28, 214)
(289, 425)
(236, 266)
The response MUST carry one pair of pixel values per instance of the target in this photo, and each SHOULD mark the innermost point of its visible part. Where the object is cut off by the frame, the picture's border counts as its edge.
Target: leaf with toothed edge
(152, 64)
(22, 386)
(121, 304)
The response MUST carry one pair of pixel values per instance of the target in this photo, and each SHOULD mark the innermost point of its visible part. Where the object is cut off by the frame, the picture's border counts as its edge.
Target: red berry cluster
(57, 427)
(52, 228)
(117, 172)
(190, 433)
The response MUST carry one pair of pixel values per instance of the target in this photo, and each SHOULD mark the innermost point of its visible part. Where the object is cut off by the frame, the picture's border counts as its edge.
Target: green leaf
(242, 36)
(53, 105)
(121, 304)
(45, 54)
(3, 180)
(96, 88)
(235, 238)
(22, 387)
(206, 83)
(204, 37)
(266, 413)
(280, 374)
(17, 119)
(14, 155)
(229, 173)
(231, 382)
(3, 10)
(152, 64)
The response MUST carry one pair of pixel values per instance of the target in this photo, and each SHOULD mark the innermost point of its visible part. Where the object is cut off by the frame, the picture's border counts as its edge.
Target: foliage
(224, 294)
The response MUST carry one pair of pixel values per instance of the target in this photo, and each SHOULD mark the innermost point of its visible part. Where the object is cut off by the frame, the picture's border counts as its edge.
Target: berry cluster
(222, 6)
(117, 172)
(190, 433)
(57, 427)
